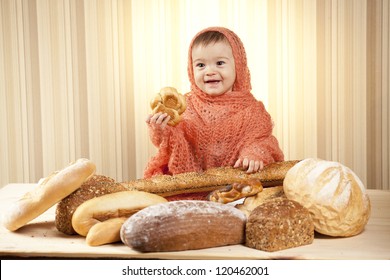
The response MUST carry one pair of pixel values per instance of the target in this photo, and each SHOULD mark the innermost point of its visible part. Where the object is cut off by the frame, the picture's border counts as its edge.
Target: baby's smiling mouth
(212, 81)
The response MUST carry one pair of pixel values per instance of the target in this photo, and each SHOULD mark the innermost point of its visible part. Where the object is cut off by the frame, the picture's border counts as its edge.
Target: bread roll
(95, 186)
(47, 193)
(267, 194)
(105, 232)
(114, 205)
(169, 101)
(184, 225)
(279, 224)
(334, 195)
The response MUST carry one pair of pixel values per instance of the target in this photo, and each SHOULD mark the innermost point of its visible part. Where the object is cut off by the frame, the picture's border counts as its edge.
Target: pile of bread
(277, 208)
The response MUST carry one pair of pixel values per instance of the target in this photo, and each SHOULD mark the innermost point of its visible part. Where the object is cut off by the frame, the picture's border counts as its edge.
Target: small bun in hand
(169, 101)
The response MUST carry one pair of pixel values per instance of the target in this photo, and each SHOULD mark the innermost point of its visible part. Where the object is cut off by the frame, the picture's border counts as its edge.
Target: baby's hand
(249, 165)
(158, 119)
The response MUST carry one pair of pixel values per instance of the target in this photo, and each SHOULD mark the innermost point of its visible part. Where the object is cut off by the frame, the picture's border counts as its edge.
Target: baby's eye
(219, 63)
(200, 65)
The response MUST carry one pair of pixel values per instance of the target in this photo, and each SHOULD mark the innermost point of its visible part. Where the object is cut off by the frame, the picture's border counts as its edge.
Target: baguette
(48, 192)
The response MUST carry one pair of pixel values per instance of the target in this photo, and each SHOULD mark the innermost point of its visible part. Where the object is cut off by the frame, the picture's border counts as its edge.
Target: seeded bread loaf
(279, 224)
(96, 186)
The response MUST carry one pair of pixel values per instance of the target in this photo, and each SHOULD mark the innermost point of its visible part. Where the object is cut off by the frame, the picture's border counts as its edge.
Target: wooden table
(40, 238)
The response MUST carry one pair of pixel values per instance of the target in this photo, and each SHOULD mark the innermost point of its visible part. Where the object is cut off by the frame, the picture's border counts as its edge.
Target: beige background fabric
(76, 77)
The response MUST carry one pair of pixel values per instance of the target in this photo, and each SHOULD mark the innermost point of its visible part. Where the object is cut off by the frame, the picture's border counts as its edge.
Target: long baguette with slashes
(198, 185)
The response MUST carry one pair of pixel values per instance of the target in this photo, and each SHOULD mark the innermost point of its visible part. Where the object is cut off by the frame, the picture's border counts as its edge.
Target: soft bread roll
(171, 102)
(114, 205)
(334, 195)
(184, 225)
(279, 224)
(105, 232)
(95, 186)
(48, 192)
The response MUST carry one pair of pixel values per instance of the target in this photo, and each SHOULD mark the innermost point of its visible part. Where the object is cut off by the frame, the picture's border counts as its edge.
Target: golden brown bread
(236, 191)
(279, 224)
(267, 194)
(184, 225)
(210, 180)
(166, 186)
(96, 186)
(169, 101)
(108, 206)
(47, 193)
(105, 232)
(333, 194)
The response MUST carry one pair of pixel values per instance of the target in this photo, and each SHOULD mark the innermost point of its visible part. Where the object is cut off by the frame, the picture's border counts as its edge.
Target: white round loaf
(334, 195)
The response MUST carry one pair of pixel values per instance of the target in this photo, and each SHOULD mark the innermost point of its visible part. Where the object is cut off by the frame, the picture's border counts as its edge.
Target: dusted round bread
(334, 195)
(279, 224)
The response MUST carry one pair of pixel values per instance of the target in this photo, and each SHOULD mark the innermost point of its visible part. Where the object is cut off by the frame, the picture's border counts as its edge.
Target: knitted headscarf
(216, 130)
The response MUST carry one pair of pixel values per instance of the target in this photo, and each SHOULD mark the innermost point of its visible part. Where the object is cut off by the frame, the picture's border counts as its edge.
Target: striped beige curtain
(76, 77)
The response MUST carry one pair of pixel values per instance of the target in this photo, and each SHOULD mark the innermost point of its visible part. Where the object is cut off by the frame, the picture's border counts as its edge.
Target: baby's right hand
(159, 119)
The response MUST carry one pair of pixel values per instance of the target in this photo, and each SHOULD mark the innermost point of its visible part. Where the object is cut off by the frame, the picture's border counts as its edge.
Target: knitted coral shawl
(216, 130)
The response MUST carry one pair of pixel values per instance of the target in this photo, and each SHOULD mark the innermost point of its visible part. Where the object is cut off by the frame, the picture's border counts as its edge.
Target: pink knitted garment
(216, 130)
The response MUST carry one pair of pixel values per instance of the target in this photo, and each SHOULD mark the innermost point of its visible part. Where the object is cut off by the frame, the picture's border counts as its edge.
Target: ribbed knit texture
(216, 130)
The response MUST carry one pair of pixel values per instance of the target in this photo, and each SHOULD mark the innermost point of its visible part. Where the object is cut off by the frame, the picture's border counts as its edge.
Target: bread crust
(47, 193)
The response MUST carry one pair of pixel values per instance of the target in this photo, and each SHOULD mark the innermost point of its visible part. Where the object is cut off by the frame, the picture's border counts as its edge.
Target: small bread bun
(334, 195)
(171, 102)
(48, 192)
(114, 205)
(105, 232)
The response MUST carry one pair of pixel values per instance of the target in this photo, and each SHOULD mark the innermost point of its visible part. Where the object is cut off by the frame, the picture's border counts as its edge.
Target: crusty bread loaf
(210, 180)
(184, 225)
(267, 194)
(332, 193)
(47, 193)
(96, 186)
(113, 205)
(279, 224)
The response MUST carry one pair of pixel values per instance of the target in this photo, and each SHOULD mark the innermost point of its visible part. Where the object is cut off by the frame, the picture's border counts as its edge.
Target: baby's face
(214, 68)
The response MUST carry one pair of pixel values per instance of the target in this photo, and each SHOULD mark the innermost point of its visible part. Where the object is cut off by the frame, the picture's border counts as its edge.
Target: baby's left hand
(249, 165)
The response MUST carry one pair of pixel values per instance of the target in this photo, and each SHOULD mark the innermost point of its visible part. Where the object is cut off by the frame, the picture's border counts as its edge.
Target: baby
(224, 125)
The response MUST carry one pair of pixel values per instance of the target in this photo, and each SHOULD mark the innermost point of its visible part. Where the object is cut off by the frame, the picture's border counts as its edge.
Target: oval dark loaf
(184, 225)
